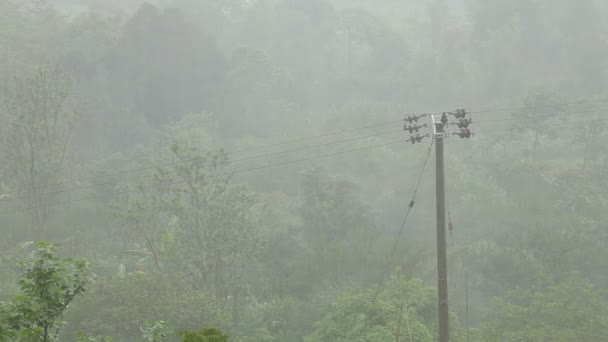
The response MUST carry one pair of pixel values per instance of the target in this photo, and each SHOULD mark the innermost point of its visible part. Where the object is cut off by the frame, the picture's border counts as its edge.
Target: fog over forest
(270, 170)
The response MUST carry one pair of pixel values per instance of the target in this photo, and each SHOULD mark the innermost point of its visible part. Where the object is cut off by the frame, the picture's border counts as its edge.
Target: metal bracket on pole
(434, 123)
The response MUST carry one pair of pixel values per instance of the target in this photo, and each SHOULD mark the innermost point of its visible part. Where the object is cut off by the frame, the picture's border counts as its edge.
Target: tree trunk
(534, 146)
(45, 337)
(587, 146)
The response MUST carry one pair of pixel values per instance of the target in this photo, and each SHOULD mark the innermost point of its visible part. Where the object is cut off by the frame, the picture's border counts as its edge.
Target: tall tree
(42, 112)
(164, 67)
(193, 219)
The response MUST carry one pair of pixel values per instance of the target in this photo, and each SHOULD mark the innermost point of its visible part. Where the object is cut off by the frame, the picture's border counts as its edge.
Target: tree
(48, 286)
(204, 335)
(117, 305)
(155, 331)
(42, 113)
(195, 221)
(193, 210)
(400, 310)
(164, 67)
(571, 310)
(337, 227)
(256, 94)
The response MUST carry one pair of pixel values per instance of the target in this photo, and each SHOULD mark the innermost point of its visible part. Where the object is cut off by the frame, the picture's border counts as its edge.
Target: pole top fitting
(438, 124)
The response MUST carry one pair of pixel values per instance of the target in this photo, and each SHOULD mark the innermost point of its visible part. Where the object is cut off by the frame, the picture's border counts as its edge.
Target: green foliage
(84, 338)
(337, 226)
(204, 335)
(196, 222)
(284, 318)
(166, 89)
(155, 331)
(571, 310)
(261, 254)
(261, 335)
(48, 286)
(403, 308)
(8, 322)
(117, 306)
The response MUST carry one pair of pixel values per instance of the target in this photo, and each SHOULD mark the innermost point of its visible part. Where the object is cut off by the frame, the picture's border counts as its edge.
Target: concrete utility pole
(466, 302)
(442, 258)
(439, 134)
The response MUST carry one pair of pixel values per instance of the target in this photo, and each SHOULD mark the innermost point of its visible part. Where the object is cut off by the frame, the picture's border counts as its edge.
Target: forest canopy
(238, 170)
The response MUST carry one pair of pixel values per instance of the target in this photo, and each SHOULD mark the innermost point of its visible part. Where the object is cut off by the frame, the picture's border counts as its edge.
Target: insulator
(414, 118)
(411, 129)
(414, 128)
(464, 133)
(463, 123)
(444, 118)
(459, 114)
(417, 138)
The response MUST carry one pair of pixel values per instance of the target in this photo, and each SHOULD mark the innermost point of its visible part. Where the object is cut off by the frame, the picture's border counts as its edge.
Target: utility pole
(466, 302)
(439, 123)
(442, 258)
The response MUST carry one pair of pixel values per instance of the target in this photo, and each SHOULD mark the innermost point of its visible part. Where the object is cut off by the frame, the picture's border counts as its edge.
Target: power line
(113, 193)
(543, 116)
(496, 110)
(277, 153)
(539, 106)
(288, 162)
(412, 201)
(284, 143)
(194, 159)
(536, 126)
(222, 154)
(411, 204)
(543, 125)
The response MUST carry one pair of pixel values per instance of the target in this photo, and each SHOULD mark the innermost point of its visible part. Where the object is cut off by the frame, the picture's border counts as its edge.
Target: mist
(303, 170)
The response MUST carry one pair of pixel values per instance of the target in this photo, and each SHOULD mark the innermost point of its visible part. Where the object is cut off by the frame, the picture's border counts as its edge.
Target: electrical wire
(539, 106)
(115, 173)
(544, 116)
(222, 154)
(283, 152)
(195, 159)
(113, 193)
(545, 125)
(411, 204)
(497, 110)
(484, 132)
(271, 145)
